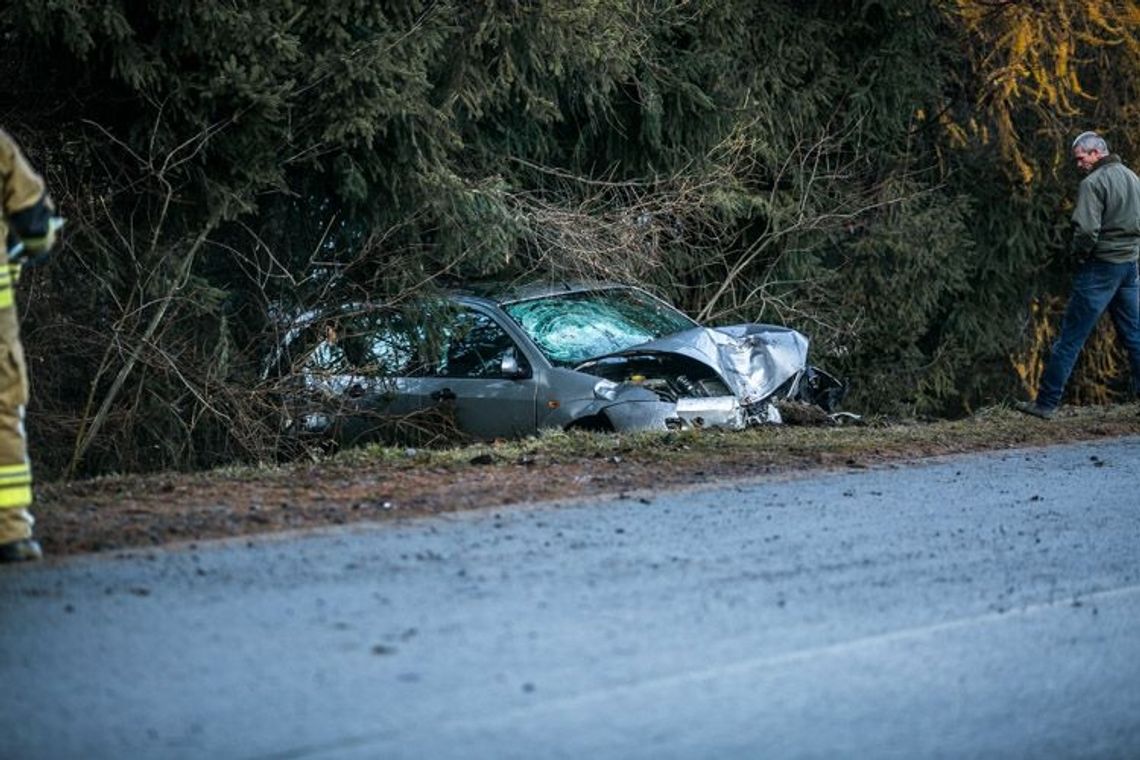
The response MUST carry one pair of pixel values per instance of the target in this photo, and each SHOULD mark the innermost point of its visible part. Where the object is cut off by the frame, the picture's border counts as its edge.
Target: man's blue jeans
(1098, 285)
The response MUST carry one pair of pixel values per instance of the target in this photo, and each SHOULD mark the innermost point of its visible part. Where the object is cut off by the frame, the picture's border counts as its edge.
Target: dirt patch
(382, 483)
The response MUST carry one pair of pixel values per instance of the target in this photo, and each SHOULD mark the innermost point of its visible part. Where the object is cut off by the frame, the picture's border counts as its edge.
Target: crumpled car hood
(754, 360)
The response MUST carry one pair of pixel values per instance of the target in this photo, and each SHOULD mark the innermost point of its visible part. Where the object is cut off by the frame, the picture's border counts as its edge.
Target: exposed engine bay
(670, 376)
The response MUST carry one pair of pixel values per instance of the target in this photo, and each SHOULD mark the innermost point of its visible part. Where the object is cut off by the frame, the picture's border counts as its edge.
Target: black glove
(33, 249)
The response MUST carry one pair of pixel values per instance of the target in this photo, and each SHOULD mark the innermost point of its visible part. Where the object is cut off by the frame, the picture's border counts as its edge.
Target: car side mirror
(509, 367)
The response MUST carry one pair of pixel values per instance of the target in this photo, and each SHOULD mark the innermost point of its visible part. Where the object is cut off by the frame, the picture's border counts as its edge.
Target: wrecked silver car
(594, 356)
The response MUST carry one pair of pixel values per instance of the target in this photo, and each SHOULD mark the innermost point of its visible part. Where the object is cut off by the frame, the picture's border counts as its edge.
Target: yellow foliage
(1100, 365)
(1037, 55)
(1061, 65)
(955, 134)
(1030, 363)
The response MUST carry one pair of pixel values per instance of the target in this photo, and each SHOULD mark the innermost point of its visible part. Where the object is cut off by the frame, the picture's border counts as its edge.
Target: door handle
(443, 394)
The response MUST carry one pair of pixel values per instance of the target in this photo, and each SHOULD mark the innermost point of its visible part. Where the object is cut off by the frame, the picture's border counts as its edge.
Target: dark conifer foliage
(842, 167)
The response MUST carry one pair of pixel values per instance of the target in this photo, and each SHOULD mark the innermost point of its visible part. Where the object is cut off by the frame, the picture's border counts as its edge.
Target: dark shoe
(24, 550)
(1031, 408)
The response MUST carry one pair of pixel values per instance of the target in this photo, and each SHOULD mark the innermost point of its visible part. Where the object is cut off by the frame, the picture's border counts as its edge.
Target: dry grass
(380, 483)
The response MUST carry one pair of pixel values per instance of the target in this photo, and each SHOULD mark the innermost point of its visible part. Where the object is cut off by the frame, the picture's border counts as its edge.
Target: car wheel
(595, 423)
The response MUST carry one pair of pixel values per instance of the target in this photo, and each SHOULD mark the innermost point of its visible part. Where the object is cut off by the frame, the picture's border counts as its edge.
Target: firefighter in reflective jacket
(27, 229)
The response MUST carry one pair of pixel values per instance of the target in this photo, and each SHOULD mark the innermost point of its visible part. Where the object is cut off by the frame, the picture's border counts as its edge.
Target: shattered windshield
(573, 327)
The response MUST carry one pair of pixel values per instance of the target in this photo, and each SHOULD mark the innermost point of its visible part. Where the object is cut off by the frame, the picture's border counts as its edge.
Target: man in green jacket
(1106, 241)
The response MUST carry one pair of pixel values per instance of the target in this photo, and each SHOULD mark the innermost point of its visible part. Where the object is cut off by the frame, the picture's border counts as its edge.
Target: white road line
(759, 663)
(530, 712)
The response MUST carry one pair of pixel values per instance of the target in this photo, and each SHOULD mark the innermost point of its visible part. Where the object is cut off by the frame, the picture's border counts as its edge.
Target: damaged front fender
(725, 377)
(753, 360)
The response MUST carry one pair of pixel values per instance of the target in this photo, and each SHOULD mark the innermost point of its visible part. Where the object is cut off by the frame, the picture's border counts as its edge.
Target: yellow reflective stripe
(15, 486)
(8, 276)
(16, 496)
(13, 472)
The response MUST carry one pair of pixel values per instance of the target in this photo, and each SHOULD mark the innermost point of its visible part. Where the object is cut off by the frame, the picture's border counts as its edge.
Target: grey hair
(1088, 141)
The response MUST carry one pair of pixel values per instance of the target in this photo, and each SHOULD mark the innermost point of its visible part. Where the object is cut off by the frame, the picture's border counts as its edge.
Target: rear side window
(328, 356)
(369, 343)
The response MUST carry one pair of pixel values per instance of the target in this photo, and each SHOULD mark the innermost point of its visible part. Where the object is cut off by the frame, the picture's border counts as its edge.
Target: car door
(469, 376)
(354, 368)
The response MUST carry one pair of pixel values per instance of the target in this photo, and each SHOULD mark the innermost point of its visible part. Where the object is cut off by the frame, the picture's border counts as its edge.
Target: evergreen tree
(883, 175)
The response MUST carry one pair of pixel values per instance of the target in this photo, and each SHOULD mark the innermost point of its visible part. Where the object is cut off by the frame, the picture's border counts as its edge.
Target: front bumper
(686, 413)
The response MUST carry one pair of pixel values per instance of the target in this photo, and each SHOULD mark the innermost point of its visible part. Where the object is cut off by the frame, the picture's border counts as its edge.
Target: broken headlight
(606, 389)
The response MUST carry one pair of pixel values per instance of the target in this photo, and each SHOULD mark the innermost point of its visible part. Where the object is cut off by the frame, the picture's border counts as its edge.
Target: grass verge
(382, 483)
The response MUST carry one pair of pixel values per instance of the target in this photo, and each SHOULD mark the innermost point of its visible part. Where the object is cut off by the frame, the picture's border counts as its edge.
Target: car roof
(504, 293)
(490, 294)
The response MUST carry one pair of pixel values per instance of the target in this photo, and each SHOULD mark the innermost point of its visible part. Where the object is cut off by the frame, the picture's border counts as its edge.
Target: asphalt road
(978, 606)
